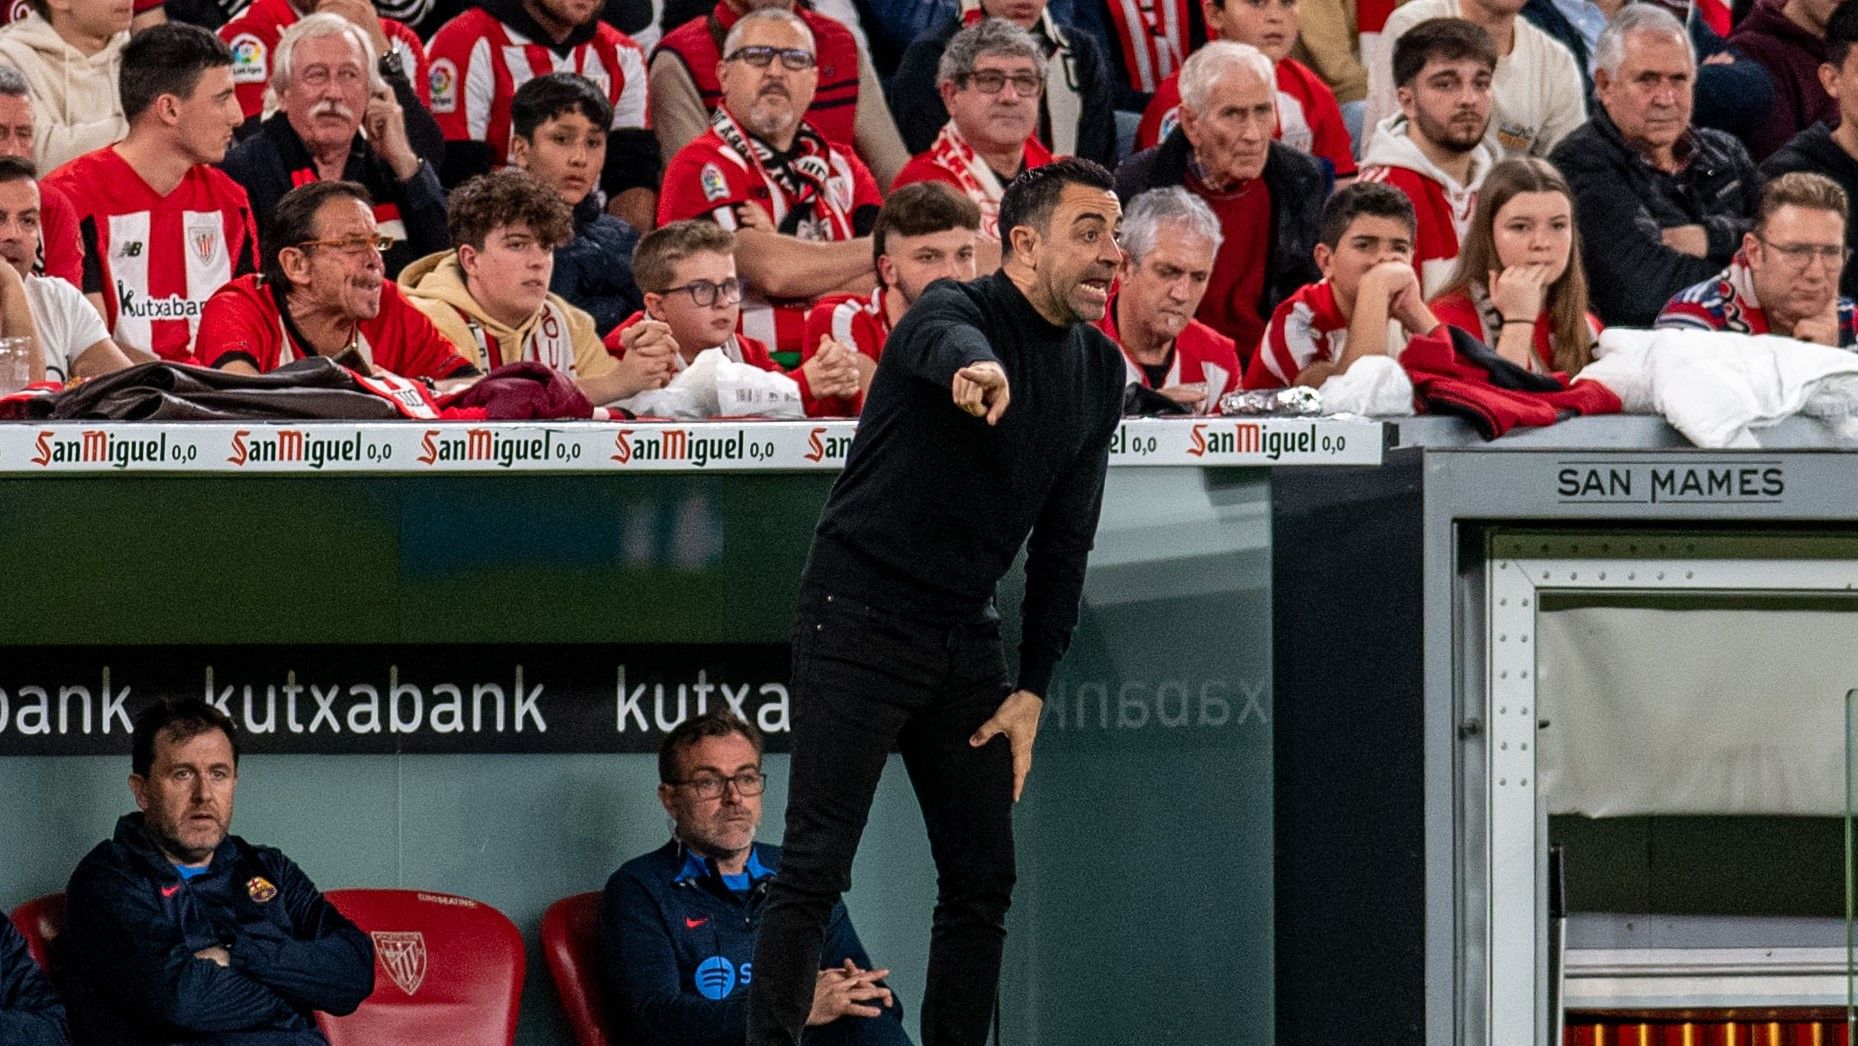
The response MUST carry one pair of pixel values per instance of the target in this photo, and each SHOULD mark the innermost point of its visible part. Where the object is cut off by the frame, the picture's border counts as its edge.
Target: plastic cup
(15, 364)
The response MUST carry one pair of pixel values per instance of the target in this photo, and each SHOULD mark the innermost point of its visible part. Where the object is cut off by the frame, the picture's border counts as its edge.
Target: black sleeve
(422, 209)
(1096, 121)
(422, 131)
(914, 102)
(632, 161)
(1056, 553)
(94, 278)
(30, 1015)
(325, 964)
(465, 160)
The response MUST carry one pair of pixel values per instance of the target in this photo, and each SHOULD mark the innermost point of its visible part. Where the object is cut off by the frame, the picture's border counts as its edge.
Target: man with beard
(1266, 194)
(1661, 204)
(678, 925)
(802, 206)
(1785, 279)
(482, 56)
(176, 930)
(897, 644)
(1169, 240)
(326, 92)
(991, 79)
(1434, 150)
(324, 292)
(924, 233)
(71, 337)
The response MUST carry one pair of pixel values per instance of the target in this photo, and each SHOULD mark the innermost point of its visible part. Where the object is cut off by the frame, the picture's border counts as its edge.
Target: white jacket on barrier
(1716, 387)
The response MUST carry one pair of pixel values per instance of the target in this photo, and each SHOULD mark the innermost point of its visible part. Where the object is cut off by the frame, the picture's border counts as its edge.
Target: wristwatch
(393, 63)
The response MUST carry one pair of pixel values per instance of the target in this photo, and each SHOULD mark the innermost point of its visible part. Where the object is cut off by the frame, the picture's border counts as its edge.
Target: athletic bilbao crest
(204, 241)
(403, 956)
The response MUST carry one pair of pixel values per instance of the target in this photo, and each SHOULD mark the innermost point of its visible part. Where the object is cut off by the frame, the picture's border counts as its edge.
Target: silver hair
(994, 36)
(1148, 212)
(1214, 60)
(11, 83)
(1610, 52)
(768, 14)
(315, 27)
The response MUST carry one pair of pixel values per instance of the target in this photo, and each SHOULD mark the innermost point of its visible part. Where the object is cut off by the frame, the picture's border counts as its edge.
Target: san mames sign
(393, 698)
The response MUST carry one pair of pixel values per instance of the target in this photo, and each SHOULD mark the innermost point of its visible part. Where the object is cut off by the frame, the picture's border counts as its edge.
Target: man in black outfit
(897, 642)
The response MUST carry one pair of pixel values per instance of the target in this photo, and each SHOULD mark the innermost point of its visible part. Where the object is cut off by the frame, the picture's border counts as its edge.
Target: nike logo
(691, 924)
(170, 891)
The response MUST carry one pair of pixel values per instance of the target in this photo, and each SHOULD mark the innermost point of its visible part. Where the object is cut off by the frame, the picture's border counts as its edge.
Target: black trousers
(867, 681)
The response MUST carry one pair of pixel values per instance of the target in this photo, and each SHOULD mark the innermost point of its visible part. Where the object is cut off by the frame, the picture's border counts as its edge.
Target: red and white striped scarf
(798, 181)
(1153, 35)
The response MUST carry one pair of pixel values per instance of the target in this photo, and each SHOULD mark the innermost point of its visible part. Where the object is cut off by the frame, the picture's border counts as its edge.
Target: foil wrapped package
(1295, 402)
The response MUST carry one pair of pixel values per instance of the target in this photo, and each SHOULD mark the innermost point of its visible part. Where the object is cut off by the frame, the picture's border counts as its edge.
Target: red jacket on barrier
(1454, 373)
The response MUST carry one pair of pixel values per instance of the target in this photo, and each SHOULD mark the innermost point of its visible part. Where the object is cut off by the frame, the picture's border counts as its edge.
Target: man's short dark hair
(1371, 198)
(920, 208)
(16, 168)
(710, 724)
(546, 97)
(293, 221)
(1841, 32)
(167, 59)
(507, 197)
(1031, 198)
(1441, 39)
(181, 719)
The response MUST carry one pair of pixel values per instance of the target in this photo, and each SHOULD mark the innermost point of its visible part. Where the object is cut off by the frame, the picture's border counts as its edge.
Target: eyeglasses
(710, 786)
(703, 293)
(795, 58)
(1800, 255)
(353, 246)
(993, 81)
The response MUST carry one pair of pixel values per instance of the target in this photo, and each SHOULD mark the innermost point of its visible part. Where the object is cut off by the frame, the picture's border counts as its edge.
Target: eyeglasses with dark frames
(797, 59)
(710, 786)
(703, 292)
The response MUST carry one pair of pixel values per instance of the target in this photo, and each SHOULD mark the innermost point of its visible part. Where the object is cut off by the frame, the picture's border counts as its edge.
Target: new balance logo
(132, 249)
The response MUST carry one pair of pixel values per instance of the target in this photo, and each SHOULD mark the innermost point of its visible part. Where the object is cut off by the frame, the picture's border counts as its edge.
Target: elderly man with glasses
(991, 79)
(678, 925)
(802, 206)
(1785, 279)
(324, 292)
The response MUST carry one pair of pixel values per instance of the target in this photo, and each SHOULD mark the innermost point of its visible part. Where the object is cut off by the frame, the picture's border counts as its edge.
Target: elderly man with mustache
(328, 87)
(802, 207)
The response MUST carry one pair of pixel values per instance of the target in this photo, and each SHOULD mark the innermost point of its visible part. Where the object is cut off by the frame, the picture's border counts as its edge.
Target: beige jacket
(1327, 43)
(75, 105)
(559, 335)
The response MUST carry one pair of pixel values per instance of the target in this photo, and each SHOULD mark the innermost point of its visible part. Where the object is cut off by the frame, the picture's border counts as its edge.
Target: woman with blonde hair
(1519, 286)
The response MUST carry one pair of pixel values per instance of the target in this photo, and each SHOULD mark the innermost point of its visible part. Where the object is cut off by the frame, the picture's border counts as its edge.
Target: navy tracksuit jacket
(125, 961)
(29, 1013)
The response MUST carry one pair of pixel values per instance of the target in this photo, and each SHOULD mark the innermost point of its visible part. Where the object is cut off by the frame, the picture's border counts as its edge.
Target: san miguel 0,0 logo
(493, 447)
(102, 447)
(294, 446)
(678, 445)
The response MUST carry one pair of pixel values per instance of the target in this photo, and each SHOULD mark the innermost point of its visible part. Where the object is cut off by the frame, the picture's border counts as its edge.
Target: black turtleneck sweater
(934, 503)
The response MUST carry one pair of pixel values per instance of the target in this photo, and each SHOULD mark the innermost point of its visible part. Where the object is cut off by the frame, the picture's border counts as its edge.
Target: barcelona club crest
(403, 956)
(260, 889)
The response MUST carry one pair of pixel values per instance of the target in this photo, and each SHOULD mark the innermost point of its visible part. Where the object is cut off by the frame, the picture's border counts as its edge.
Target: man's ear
(1403, 96)
(1025, 241)
(519, 151)
(467, 259)
(665, 792)
(295, 262)
(138, 787)
(947, 90)
(1324, 259)
(886, 270)
(1829, 79)
(654, 305)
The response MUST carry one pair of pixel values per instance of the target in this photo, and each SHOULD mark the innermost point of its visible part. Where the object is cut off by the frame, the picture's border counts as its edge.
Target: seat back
(40, 920)
(571, 946)
(448, 970)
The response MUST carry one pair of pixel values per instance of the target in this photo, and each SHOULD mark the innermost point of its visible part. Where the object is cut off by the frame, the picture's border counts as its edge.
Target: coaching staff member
(897, 643)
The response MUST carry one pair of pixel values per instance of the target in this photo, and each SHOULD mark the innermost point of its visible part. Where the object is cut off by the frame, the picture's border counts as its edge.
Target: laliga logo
(18, 11)
(403, 956)
(717, 977)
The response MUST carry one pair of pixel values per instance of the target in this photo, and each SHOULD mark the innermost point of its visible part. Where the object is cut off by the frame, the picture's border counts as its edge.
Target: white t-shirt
(1536, 91)
(68, 324)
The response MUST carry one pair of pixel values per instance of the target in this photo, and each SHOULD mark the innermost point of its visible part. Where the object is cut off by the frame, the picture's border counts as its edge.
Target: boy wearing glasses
(324, 292)
(678, 925)
(489, 294)
(991, 78)
(1785, 279)
(802, 206)
(693, 300)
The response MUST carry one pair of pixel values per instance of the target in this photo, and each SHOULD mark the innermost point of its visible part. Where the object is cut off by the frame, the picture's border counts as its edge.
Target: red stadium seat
(448, 970)
(39, 921)
(571, 946)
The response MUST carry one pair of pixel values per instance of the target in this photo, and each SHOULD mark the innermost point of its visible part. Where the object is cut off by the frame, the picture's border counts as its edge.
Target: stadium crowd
(439, 190)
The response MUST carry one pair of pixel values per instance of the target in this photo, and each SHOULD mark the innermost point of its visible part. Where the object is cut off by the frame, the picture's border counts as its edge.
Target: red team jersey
(253, 36)
(860, 322)
(156, 259)
(1308, 118)
(741, 349)
(478, 63)
(698, 45)
(1486, 324)
(1200, 354)
(708, 178)
(243, 321)
(1307, 328)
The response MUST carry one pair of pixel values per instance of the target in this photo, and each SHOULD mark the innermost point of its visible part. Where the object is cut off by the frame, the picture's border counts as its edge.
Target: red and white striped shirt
(157, 259)
(1307, 328)
(861, 322)
(478, 63)
(1200, 355)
